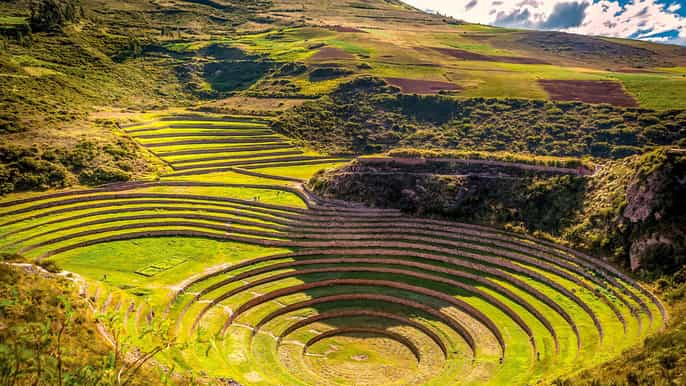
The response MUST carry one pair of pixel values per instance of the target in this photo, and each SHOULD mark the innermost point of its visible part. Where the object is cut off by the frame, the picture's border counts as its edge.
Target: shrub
(12, 257)
(624, 151)
(53, 14)
(103, 175)
(81, 156)
(291, 69)
(50, 266)
(657, 134)
(34, 173)
(325, 73)
(648, 119)
(10, 125)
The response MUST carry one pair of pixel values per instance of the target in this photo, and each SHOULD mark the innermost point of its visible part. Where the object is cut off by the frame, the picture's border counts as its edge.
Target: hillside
(65, 83)
(270, 192)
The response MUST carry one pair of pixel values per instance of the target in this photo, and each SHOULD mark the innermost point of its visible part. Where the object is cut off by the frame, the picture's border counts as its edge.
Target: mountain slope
(63, 83)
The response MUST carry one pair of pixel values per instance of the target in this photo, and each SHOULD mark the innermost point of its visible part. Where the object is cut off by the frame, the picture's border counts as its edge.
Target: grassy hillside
(367, 116)
(206, 251)
(65, 79)
(48, 332)
(142, 54)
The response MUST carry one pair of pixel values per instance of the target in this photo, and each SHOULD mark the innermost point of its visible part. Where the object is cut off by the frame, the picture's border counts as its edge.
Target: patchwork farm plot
(270, 284)
(465, 61)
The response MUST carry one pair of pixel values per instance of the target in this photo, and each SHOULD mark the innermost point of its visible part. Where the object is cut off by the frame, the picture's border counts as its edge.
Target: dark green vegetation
(47, 333)
(48, 15)
(630, 210)
(368, 116)
(26, 168)
(440, 155)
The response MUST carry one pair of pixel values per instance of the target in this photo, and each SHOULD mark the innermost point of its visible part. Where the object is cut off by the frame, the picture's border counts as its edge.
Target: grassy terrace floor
(196, 145)
(270, 285)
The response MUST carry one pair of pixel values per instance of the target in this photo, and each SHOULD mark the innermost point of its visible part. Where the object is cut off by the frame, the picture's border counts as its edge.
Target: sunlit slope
(226, 146)
(425, 53)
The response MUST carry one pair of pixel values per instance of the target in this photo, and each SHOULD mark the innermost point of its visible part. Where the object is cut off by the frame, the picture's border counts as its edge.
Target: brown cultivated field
(589, 91)
(466, 55)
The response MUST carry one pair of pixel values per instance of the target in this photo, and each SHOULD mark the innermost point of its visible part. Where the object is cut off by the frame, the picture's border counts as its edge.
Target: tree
(49, 15)
(158, 333)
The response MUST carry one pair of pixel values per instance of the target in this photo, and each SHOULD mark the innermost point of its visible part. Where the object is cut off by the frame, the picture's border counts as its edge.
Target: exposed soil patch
(466, 55)
(589, 91)
(636, 71)
(342, 28)
(331, 53)
(417, 86)
(247, 105)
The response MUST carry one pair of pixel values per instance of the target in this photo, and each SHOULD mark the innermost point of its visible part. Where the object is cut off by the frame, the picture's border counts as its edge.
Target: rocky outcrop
(475, 191)
(631, 211)
(655, 214)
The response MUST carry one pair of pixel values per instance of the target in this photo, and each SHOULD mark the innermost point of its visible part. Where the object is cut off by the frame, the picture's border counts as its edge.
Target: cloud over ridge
(654, 20)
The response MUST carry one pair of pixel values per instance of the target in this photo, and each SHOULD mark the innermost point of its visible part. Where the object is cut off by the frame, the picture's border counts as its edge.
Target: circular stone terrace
(269, 284)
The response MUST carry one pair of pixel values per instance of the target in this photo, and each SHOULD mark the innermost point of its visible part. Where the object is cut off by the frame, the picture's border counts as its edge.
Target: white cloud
(642, 19)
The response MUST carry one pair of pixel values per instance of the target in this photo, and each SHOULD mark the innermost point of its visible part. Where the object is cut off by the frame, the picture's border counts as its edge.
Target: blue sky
(654, 20)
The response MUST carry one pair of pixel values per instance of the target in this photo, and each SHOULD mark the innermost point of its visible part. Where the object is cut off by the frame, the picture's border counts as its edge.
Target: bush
(325, 73)
(50, 266)
(32, 173)
(10, 125)
(103, 175)
(367, 115)
(12, 257)
(624, 151)
(80, 157)
(53, 14)
(657, 134)
(563, 162)
(291, 69)
(648, 119)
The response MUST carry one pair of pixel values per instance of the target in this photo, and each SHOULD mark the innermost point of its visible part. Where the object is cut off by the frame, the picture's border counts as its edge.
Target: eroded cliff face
(631, 211)
(655, 215)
